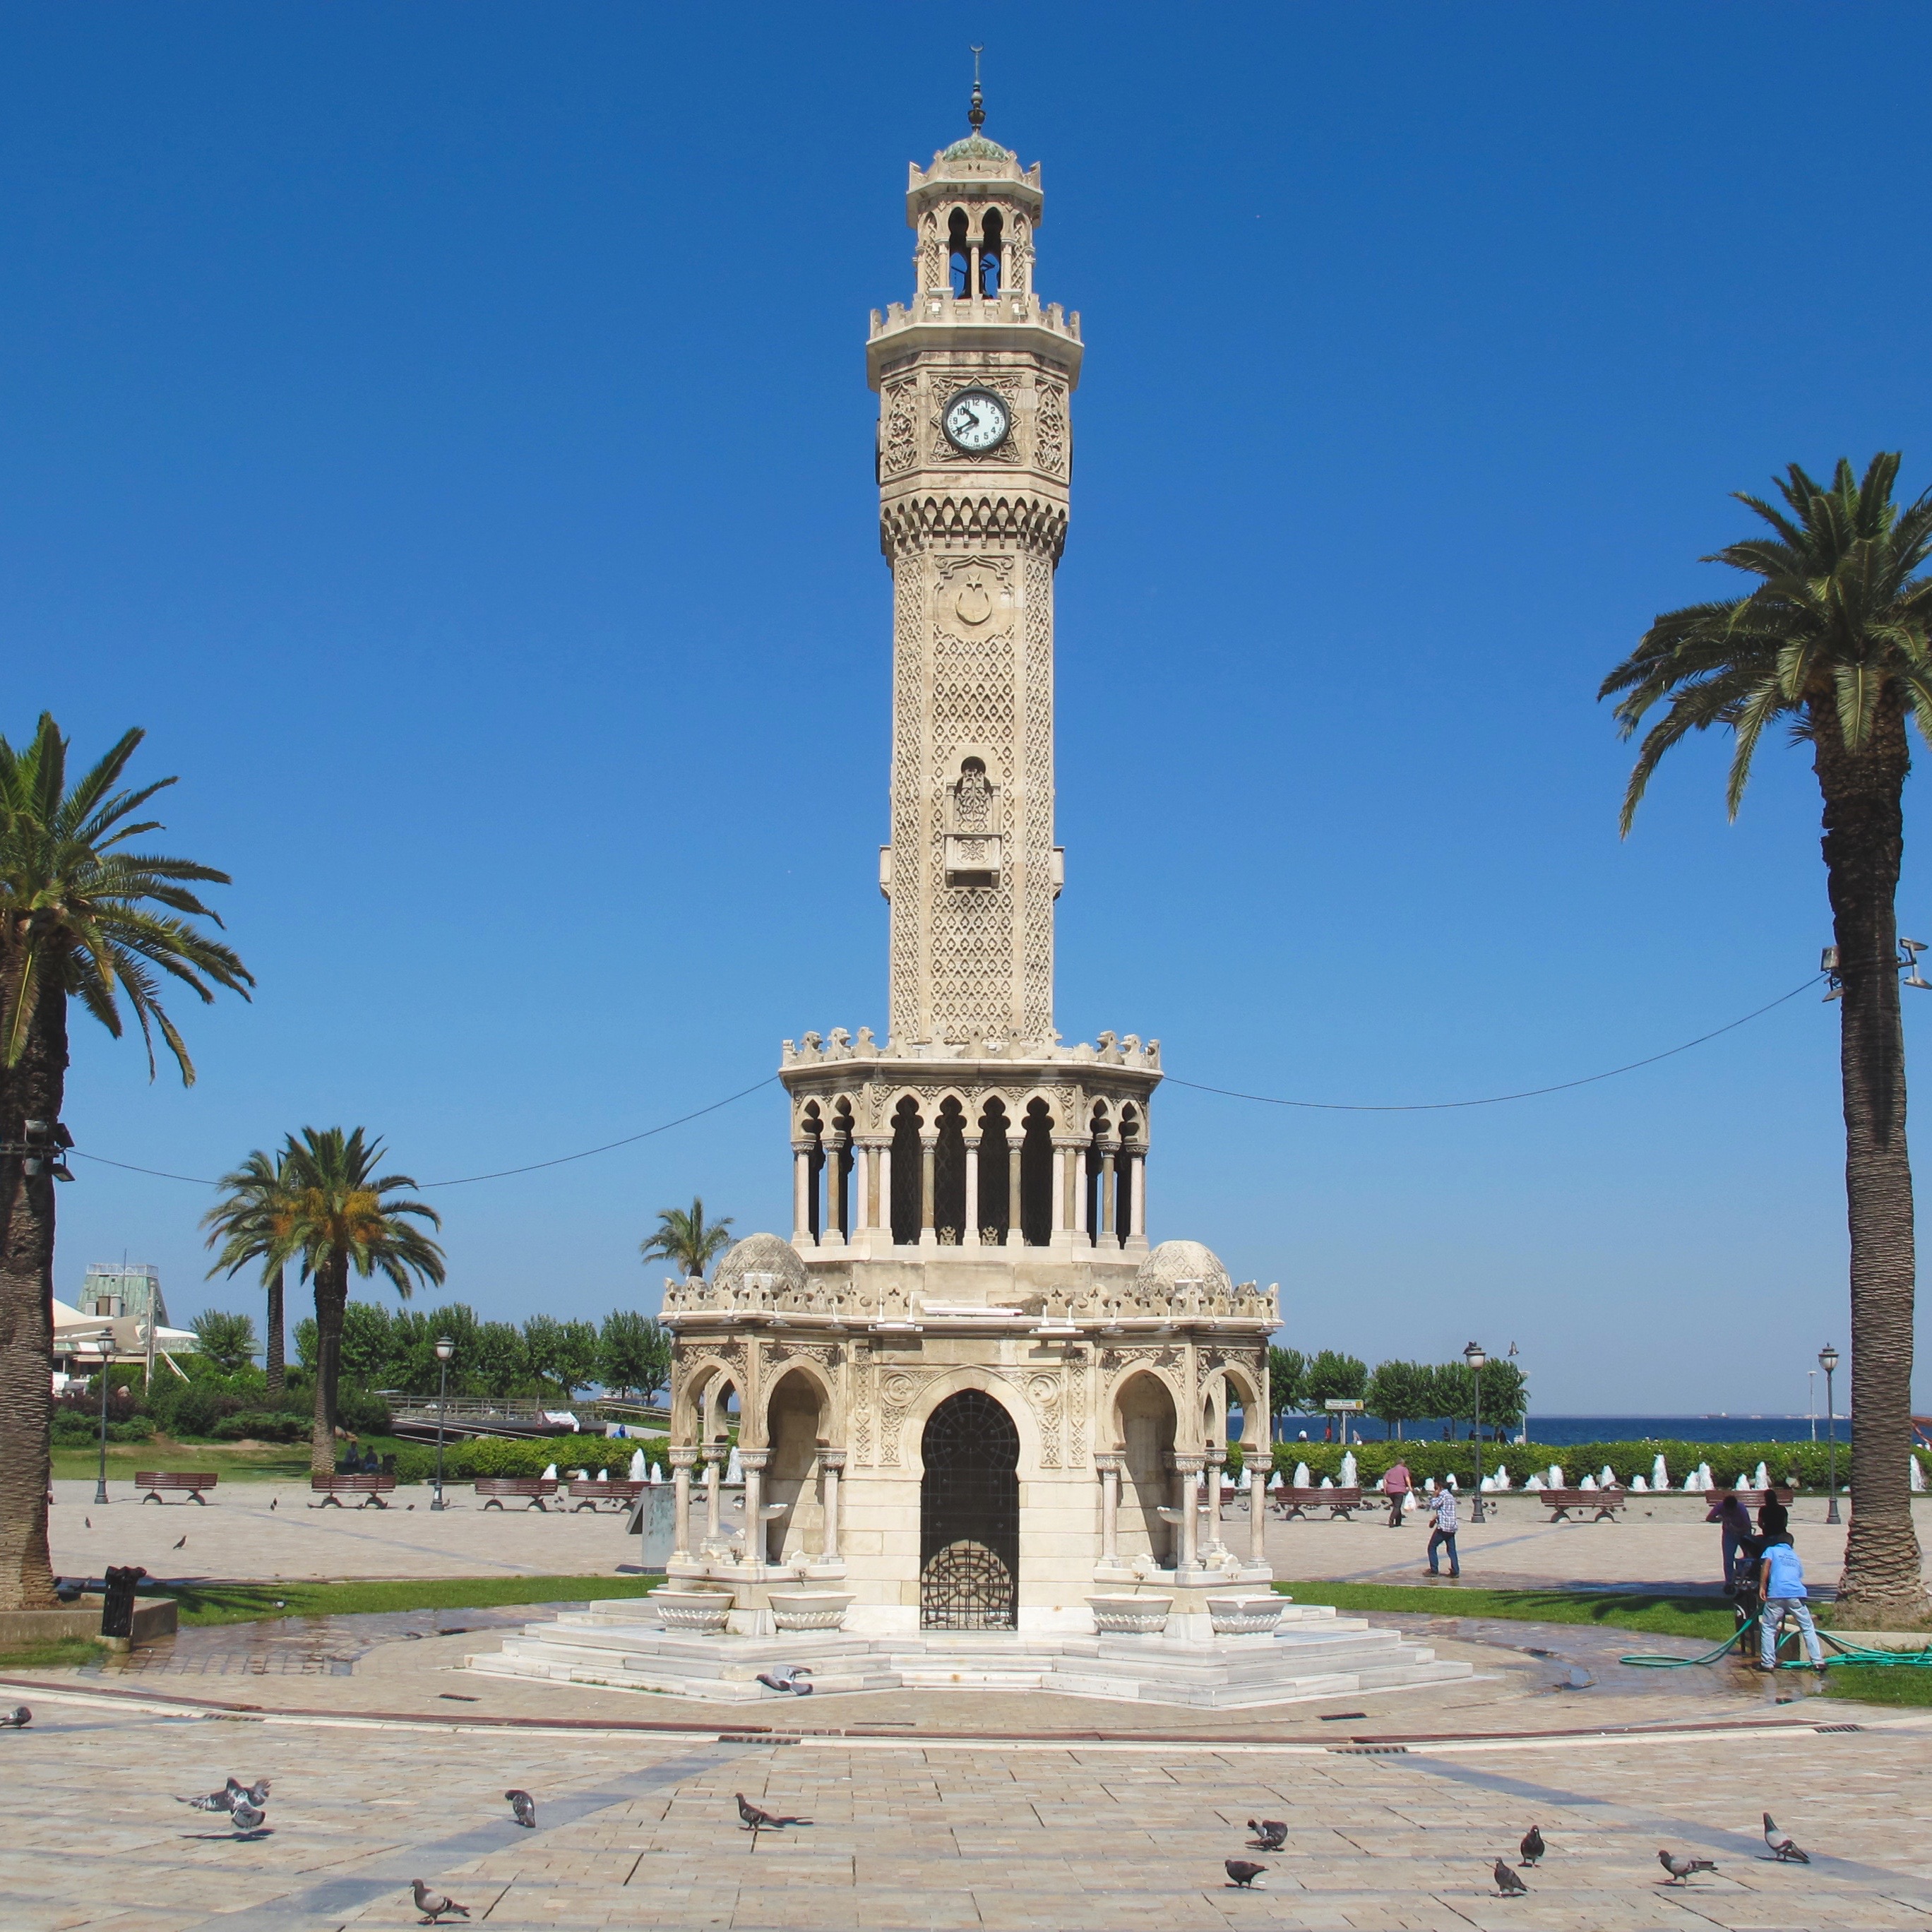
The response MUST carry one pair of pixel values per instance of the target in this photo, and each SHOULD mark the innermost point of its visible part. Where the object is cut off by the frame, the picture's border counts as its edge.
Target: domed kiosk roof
(761, 1254)
(1184, 1261)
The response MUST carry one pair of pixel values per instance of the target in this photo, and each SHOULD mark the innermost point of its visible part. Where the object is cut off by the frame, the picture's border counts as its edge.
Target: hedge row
(464, 1461)
(1803, 1464)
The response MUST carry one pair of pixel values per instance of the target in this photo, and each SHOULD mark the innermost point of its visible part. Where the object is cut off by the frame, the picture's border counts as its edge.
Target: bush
(463, 1461)
(1803, 1464)
(262, 1425)
(73, 1429)
(358, 1410)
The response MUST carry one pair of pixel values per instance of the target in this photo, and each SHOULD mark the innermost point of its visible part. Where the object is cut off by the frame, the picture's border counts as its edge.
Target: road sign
(1337, 1403)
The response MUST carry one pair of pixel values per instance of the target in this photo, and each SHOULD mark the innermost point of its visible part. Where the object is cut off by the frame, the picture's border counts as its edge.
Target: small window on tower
(959, 241)
(991, 232)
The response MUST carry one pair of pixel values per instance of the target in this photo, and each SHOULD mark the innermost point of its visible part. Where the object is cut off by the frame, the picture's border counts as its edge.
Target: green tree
(414, 1365)
(685, 1239)
(1836, 639)
(342, 1215)
(226, 1341)
(81, 918)
(634, 1354)
(497, 1364)
(1505, 1392)
(1452, 1391)
(248, 1223)
(1398, 1393)
(369, 1344)
(564, 1353)
(1288, 1373)
(1333, 1377)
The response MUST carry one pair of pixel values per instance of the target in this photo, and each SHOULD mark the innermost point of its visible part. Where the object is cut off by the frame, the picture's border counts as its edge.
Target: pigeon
(433, 1904)
(1532, 1847)
(272, 1501)
(1270, 1834)
(1783, 1848)
(1680, 1869)
(214, 1800)
(1507, 1883)
(88, 1520)
(525, 1807)
(17, 1719)
(248, 1817)
(256, 1793)
(1243, 1873)
(793, 1678)
(182, 1544)
(756, 1820)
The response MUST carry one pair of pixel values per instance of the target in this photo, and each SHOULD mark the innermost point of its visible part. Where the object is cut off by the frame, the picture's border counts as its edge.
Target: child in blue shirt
(1781, 1587)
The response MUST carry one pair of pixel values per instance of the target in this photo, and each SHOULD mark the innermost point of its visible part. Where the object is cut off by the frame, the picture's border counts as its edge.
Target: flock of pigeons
(1271, 1834)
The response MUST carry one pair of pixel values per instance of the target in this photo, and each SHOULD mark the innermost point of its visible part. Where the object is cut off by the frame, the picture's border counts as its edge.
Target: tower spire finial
(975, 115)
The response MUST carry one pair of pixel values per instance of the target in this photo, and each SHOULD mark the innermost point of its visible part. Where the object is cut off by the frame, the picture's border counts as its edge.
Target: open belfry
(966, 1424)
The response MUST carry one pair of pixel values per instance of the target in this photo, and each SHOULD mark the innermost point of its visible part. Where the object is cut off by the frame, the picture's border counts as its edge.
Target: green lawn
(274, 1462)
(1706, 1617)
(67, 1650)
(1881, 1683)
(251, 1603)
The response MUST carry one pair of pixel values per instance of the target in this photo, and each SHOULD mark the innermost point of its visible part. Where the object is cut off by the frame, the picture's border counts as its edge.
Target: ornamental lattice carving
(1076, 1411)
(1050, 430)
(1044, 1392)
(908, 734)
(1037, 755)
(898, 445)
(932, 255)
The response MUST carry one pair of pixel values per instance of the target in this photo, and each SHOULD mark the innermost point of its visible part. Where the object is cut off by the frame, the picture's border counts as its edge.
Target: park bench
(589, 1493)
(1560, 1502)
(1292, 1503)
(531, 1490)
(155, 1481)
(1752, 1499)
(371, 1488)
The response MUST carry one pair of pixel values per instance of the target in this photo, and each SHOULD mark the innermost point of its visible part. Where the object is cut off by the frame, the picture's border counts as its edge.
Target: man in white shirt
(1781, 1585)
(1442, 1511)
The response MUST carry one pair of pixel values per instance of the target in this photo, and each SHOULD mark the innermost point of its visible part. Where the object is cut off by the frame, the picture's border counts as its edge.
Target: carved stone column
(1104, 1236)
(1137, 1237)
(715, 1454)
(681, 1462)
(928, 1154)
(1210, 1502)
(1015, 1232)
(830, 1462)
(801, 1193)
(1187, 1503)
(752, 1462)
(882, 1189)
(1258, 1476)
(865, 1183)
(969, 1235)
(831, 1224)
(1109, 1468)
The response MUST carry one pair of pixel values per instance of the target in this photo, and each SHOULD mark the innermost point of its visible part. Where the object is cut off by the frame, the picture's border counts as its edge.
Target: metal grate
(970, 1516)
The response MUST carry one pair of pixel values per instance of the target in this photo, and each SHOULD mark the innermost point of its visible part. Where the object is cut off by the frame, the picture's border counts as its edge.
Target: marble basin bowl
(1245, 1615)
(693, 1612)
(809, 1609)
(1130, 1616)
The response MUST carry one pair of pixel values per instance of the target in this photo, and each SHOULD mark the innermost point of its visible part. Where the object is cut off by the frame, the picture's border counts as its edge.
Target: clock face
(976, 421)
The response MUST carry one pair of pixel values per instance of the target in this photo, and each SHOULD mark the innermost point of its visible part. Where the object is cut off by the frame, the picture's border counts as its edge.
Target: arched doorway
(969, 1517)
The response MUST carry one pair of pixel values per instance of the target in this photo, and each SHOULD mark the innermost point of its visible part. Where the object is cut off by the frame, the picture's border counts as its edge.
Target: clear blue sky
(445, 429)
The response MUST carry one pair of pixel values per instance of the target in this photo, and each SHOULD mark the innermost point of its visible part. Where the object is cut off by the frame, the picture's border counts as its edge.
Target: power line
(1495, 1100)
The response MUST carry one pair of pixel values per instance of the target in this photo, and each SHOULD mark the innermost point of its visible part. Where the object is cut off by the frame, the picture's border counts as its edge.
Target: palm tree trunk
(332, 1297)
(1865, 836)
(31, 1090)
(276, 1362)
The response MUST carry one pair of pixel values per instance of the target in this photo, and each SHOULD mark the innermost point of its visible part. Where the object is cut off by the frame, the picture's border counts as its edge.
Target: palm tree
(1834, 638)
(342, 1214)
(81, 918)
(686, 1240)
(249, 1223)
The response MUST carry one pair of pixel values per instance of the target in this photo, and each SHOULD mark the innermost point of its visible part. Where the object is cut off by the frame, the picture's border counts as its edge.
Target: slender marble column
(865, 1183)
(1252, 1461)
(883, 1189)
(1137, 1201)
(830, 1462)
(1210, 1502)
(752, 1462)
(1187, 1501)
(831, 1224)
(1015, 1233)
(715, 1454)
(969, 1235)
(801, 1193)
(1109, 1467)
(681, 1460)
(928, 1154)
(1107, 1237)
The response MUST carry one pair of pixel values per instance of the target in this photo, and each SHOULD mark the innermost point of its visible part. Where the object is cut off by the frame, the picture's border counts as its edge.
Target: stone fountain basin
(695, 1612)
(809, 1609)
(1244, 1615)
(1124, 1615)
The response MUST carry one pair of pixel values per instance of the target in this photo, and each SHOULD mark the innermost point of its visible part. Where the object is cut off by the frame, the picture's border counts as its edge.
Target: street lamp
(445, 1348)
(1474, 1355)
(1828, 1360)
(103, 1347)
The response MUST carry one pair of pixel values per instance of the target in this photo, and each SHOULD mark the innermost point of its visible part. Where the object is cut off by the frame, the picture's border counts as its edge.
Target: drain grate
(1369, 1750)
(1838, 1727)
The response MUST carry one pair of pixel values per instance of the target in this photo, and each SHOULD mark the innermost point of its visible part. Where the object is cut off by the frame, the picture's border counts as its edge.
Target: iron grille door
(969, 1509)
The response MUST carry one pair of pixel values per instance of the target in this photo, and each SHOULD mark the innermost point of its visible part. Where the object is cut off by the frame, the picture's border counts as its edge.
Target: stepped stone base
(618, 1645)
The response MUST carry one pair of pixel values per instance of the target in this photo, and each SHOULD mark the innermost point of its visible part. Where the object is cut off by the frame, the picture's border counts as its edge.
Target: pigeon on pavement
(214, 1800)
(433, 1904)
(1782, 1849)
(525, 1807)
(1507, 1883)
(256, 1793)
(182, 1544)
(1243, 1872)
(757, 1820)
(248, 1817)
(793, 1678)
(272, 1501)
(17, 1719)
(1680, 1869)
(1532, 1847)
(1270, 1834)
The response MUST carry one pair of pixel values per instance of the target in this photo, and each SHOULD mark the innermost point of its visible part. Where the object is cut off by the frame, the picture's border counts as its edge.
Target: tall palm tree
(81, 918)
(1837, 638)
(342, 1214)
(249, 1222)
(685, 1239)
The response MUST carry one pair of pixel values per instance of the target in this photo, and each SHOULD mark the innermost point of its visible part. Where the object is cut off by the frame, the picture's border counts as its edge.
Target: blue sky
(445, 429)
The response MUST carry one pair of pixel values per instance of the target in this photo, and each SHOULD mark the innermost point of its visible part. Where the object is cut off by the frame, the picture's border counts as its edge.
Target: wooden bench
(1560, 1502)
(532, 1490)
(155, 1481)
(589, 1492)
(1292, 1503)
(1752, 1499)
(331, 1488)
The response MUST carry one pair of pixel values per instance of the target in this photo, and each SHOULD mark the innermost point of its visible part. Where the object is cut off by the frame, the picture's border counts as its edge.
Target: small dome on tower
(976, 147)
(1184, 1261)
(761, 1254)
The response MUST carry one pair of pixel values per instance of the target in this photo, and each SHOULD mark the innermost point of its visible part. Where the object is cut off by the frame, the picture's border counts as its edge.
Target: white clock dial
(976, 421)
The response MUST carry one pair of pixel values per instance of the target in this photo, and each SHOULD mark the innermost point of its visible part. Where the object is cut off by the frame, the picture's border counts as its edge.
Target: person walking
(1781, 1587)
(1442, 1512)
(1734, 1524)
(1395, 1486)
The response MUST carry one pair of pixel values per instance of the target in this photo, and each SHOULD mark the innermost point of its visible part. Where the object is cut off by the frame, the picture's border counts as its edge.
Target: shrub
(463, 1461)
(1803, 1463)
(262, 1425)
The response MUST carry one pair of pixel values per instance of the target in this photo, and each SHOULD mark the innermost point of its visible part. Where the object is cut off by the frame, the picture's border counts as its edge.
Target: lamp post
(103, 1347)
(445, 1348)
(1474, 1355)
(1828, 1360)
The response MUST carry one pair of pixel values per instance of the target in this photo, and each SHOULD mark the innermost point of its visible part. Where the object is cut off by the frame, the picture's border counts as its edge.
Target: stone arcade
(982, 1425)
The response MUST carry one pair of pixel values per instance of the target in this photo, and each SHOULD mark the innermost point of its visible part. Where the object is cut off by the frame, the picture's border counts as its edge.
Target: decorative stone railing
(1135, 1307)
(1110, 1050)
(946, 309)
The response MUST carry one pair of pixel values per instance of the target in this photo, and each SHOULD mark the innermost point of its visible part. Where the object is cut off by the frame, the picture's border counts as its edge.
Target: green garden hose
(1848, 1653)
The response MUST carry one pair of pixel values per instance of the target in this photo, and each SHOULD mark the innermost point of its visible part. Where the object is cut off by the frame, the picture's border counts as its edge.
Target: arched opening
(796, 1423)
(1095, 1173)
(995, 1181)
(949, 1175)
(1132, 1149)
(969, 1516)
(814, 1130)
(992, 233)
(959, 247)
(907, 1164)
(1036, 1176)
(838, 1170)
(1143, 1412)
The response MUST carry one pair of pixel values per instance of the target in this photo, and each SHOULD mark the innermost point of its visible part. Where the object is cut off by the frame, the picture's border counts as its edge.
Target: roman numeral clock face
(976, 421)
